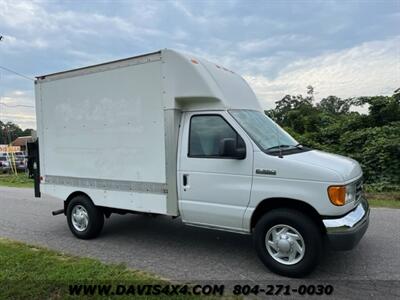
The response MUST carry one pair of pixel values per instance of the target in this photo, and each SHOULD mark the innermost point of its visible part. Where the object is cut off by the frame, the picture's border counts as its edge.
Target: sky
(343, 48)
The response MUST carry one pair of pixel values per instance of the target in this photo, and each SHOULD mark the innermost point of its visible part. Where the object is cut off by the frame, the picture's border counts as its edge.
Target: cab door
(214, 171)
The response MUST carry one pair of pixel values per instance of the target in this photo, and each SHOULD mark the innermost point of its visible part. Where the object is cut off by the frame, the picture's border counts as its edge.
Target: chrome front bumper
(344, 233)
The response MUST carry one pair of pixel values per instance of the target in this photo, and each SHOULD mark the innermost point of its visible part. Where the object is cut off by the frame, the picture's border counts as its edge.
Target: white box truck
(172, 134)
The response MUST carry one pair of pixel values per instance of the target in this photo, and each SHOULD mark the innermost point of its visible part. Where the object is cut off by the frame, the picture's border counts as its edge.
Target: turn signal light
(337, 195)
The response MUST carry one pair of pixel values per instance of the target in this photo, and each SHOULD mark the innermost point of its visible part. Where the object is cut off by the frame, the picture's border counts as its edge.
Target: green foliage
(334, 105)
(31, 272)
(378, 151)
(10, 131)
(372, 139)
(16, 180)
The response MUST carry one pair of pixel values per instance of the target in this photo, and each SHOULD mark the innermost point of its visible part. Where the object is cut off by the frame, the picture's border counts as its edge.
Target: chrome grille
(359, 190)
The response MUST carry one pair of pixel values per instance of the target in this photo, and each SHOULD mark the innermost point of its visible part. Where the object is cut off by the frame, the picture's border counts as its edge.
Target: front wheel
(288, 242)
(85, 220)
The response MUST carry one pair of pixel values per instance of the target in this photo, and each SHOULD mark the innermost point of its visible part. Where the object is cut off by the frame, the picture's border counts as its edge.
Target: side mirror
(228, 148)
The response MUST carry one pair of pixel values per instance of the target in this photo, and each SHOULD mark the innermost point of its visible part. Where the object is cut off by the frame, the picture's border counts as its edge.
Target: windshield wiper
(299, 146)
(279, 146)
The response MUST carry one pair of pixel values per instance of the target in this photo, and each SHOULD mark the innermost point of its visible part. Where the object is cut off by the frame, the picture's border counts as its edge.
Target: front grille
(359, 190)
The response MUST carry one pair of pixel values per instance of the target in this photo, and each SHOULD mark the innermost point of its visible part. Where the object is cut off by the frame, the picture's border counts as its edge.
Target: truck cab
(201, 148)
(241, 172)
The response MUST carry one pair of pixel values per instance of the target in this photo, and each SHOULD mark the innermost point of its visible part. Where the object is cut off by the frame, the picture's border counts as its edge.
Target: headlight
(342, 194)
(350, 193)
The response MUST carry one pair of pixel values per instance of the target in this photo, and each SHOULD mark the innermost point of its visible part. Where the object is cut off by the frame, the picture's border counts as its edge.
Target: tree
(10, 131)
(373, 139)
(334, 105)
(296, 112)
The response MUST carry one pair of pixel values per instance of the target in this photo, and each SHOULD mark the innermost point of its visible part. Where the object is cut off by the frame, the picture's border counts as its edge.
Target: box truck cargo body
(172, 134)
(104, 129)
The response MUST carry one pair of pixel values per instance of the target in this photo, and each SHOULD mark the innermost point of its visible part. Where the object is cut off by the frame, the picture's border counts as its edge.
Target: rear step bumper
(57, 212)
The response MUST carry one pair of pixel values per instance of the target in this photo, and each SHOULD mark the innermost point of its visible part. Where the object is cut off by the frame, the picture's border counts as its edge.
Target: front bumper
(344, 233)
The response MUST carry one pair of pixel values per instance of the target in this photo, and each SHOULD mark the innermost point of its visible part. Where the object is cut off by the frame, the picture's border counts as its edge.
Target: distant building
(22, 142)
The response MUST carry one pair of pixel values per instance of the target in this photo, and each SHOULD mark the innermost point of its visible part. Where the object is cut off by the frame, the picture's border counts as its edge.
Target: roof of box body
(102, 66)
(189, 82)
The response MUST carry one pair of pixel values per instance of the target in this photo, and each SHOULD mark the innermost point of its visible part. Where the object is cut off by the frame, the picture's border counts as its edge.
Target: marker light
(337, 194)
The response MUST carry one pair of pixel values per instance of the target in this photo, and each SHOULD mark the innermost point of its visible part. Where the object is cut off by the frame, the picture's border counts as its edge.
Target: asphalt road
(172, 250)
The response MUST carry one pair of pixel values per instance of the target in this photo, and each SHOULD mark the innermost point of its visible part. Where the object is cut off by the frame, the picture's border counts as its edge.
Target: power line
(16, 73)
(16, 105)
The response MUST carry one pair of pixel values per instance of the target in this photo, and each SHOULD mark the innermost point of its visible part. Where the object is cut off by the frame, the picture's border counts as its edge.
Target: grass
(375, 199)
(384, 203)
(31, 272)
(384, 199)
(19, 180)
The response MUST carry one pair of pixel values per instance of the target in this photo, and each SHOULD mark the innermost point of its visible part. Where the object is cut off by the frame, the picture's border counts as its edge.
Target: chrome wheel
(79, 218)
(285, 244)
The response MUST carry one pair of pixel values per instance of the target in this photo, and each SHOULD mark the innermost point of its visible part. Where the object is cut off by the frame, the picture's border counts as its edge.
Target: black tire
(309, 231)
(95, 218)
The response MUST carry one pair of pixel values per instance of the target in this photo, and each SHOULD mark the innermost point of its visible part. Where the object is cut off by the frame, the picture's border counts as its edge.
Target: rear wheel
(288, 242)
(85, 220)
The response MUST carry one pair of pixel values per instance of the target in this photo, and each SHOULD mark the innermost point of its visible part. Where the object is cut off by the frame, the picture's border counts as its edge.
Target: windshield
(264, 132)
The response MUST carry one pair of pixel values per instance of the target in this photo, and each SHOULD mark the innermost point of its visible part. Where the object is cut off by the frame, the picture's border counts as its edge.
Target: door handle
(185, 182)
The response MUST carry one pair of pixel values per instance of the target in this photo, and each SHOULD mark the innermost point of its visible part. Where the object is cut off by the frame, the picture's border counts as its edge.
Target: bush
(378, 151)
(373, 139)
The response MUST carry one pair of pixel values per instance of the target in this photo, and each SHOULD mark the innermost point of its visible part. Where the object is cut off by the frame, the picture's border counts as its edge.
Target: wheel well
(274, 203)
(72, 196)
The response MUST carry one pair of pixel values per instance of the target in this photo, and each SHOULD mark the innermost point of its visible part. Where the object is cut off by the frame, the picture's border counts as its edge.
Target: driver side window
(207, 133)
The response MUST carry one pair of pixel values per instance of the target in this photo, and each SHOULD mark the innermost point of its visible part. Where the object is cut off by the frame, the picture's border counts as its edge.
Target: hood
(344, 167)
